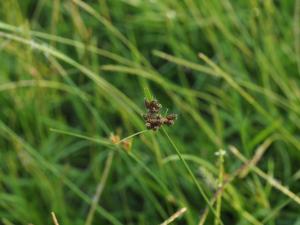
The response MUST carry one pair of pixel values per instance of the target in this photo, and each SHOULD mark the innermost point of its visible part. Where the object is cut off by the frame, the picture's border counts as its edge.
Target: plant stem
(220, 184)
(200, 189)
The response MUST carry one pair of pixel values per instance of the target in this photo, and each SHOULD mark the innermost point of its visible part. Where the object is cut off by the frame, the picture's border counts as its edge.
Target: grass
(73, 72)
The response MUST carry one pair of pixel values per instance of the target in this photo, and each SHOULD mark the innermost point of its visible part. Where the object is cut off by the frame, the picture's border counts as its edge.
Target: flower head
(153, 119)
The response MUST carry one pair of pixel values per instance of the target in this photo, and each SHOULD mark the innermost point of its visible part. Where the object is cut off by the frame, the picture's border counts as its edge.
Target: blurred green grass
(229, 69)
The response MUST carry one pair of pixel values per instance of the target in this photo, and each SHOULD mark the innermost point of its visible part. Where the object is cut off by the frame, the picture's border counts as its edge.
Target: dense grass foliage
(73, 72)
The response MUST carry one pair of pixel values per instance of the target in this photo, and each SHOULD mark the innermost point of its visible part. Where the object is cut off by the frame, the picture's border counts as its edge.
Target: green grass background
(229, 69)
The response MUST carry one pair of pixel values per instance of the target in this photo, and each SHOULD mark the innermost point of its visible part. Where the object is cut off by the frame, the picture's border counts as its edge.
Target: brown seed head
(153, 119)
(152, 106)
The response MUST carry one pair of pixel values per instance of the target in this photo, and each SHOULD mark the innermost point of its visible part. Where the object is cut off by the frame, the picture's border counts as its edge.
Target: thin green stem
(131, 136)
(200, 189)
(111, 145)
(220, 184)
(100, 188)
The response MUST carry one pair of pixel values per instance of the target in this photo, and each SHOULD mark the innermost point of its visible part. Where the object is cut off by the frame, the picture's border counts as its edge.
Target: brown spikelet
(153, 119)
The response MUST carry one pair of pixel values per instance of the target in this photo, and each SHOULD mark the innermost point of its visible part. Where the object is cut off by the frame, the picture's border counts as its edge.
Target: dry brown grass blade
(275, 183)
(220, 190)
(177, 214)
(257, 156)
(242, 171)
(100, 188)
(54, 218)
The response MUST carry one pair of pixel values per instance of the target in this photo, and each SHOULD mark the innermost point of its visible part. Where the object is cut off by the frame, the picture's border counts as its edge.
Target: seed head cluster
(153, 119)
